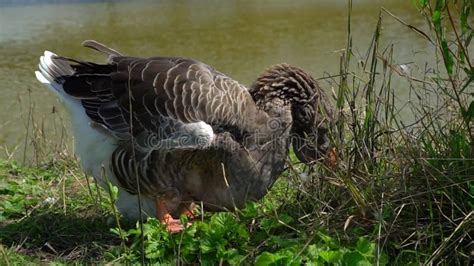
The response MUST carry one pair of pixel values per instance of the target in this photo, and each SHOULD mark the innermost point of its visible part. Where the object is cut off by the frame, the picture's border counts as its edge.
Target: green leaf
(287, 219)
(330, 256)
(464, 17)
(439, 5)
(267, 258)
(113, 191)
(312, 251)
(436, 18)
(448, 57)
(423, 3)
(330, 242)
(469, 114)
(118, 232)
(280, 241)
(250, 210)
(383, 259)
(206, 246)
(269, 223)
(183, 219)
(354, 258)
(365, 247)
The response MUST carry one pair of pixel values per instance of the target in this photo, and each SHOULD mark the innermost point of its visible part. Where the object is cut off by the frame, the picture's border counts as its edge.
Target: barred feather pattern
(182, 128)
(182, 89)
(296, 87)
(165, 103)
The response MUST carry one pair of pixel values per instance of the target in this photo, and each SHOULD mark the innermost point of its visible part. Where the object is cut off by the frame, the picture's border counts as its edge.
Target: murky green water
(239, 38)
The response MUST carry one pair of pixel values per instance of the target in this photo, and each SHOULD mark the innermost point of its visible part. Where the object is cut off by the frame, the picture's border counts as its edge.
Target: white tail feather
(50, 70)
(92, 146)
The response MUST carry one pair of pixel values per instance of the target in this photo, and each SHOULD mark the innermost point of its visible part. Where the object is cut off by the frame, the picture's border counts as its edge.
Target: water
(239, 38)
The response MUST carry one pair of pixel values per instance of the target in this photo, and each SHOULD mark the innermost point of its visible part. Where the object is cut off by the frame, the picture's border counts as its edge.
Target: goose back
(147, 92)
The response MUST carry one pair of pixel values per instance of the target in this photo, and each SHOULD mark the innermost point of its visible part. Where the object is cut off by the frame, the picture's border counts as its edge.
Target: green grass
(401, 194)
(48, 214)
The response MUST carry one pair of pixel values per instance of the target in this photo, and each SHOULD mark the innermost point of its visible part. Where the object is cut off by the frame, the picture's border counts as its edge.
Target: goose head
(311, 111)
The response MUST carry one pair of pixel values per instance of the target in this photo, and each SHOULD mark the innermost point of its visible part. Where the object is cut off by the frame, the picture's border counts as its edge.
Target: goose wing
(157, 98)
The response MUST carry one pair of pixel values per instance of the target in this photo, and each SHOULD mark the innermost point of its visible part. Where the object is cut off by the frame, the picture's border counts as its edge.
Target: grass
(49, 214)
(401, 194)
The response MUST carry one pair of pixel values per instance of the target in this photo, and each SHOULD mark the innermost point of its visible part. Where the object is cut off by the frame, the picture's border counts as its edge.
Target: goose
(176, 132)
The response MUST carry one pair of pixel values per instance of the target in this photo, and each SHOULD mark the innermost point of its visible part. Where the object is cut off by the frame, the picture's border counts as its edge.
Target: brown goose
(178, 131)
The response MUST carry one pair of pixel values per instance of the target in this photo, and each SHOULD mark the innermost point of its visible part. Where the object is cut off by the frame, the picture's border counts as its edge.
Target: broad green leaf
(267, 258)
(330, 256)
(250, 210)
(365, 247)
(354, 258)
(183, 219)
(328, 240)
(313, 251)
(269, 223)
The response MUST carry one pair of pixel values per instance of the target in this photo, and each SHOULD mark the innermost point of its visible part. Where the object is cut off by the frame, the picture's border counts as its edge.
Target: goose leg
(162, 213)
(331, 160)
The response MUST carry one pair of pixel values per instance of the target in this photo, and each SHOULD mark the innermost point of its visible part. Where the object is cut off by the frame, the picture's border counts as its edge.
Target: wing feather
(184, 90)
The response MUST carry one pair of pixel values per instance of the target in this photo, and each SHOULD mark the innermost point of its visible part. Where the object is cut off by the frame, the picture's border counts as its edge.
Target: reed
(409, 187)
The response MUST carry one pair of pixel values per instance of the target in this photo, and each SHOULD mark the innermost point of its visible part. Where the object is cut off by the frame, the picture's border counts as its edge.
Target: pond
(239, 38)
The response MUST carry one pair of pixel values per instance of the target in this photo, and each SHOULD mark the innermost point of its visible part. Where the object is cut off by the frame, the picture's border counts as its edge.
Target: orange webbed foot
(173, 225)
(162, 213)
